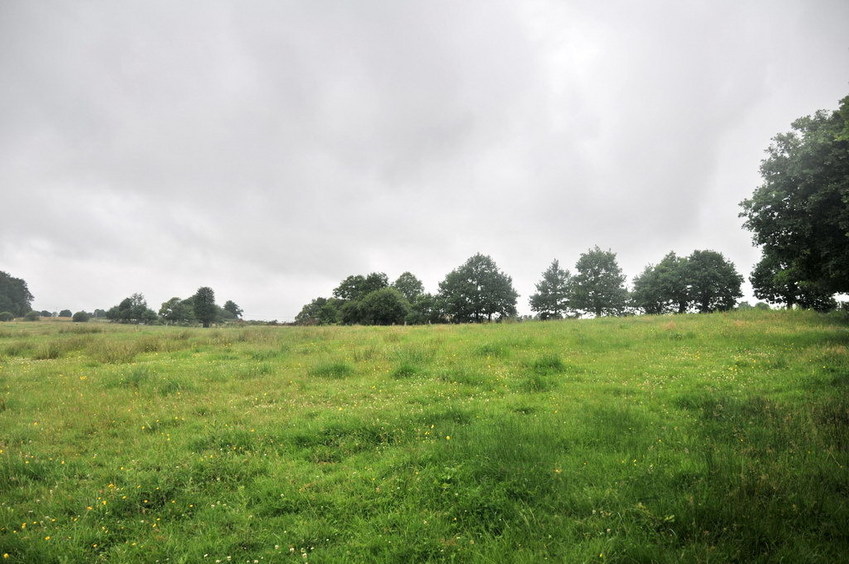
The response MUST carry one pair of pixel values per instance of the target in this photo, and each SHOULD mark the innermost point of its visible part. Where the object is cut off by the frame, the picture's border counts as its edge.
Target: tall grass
(715, 438)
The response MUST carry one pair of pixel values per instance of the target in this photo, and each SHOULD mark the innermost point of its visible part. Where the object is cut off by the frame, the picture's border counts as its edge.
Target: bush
(6, 316)
(32, 316)
(80, 317)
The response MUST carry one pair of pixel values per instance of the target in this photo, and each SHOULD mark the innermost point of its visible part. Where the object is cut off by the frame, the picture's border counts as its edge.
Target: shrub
(80, 317)
(6, 316)
(32, 316)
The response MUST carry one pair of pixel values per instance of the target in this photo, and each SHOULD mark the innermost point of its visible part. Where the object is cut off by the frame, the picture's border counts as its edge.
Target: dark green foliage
(386, 306)
(663, 288)
(231, 307)
(178, 311)
(704, 281)
(320, 311)
(552, 298)
(32, 316)
(477, 291)
(204, 305)
(779, 282)
(65, 313)
(14, 295)
(799, 215)
(426, 308)
(349, 297)
(410, 286)
(132, 310)
(369, 300)
(598, 286)
(357, 286)
(6, 316)
(714, 282)
(80, 317)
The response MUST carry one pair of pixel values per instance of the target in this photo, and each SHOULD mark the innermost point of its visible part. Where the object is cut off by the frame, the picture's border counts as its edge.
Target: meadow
(694, 438)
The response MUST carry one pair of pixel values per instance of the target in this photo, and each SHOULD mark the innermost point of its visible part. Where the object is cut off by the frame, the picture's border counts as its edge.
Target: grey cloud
(271, 148)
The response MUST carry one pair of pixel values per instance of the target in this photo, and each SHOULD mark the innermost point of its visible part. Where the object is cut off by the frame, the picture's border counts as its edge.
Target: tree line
(478, 291)
(198, 308)
(15, 300)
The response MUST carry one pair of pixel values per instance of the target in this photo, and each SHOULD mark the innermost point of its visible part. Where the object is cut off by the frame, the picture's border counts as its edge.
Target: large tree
(410, 286)
(132, 310)
(233, 309)
(713, 281)
(551, 300)
(356, 287)
(800, 214)
(598, 286)
(14, 295)
(386, 306)
(477, 291)
(778, 283)
(425, 309)
(320, 311)
(204, 303)
(662, 288)
(177, 310)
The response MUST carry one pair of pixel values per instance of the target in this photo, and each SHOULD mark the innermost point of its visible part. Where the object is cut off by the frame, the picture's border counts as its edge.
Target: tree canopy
(714, 282)
(800, 214)
(551, 300)
(204, 306)
(132, 310)
(664, 287)
(779, 283)
(598, 286)
(177, 310)
(477, 291)
(356, 287)
(233, 309)
(320, 311)
(409, 286)
(386, 306)
(15, 297)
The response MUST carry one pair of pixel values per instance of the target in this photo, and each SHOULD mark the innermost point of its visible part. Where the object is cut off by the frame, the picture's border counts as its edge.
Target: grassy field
(698, 438)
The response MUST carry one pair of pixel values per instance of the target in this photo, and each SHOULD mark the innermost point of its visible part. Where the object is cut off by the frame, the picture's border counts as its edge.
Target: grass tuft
(333, 369)
(405, 370)
(548, 364)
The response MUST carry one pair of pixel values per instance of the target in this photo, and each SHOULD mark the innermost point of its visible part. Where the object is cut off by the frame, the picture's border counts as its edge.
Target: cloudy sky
(269, 149)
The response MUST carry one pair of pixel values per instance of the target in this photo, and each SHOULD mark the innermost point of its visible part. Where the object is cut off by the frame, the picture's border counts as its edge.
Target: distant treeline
(15, 300)
(479, 291)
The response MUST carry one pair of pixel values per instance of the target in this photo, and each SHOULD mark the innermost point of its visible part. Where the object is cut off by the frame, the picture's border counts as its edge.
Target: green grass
(714, 438)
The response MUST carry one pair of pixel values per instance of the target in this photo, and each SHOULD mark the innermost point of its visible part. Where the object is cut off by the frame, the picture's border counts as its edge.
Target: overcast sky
(270, 149)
